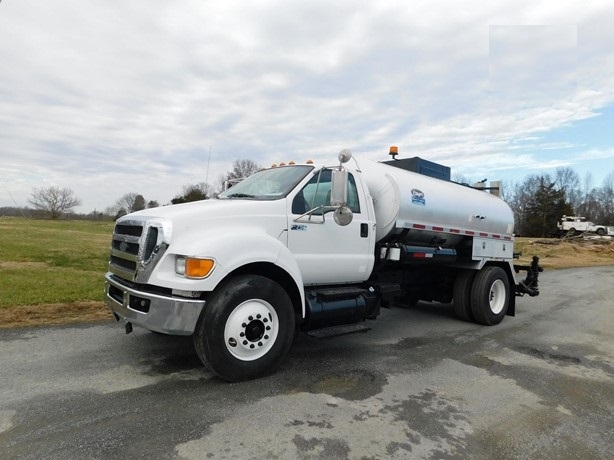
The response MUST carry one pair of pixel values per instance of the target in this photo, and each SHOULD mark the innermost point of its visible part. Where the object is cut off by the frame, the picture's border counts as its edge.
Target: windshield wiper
(240, 195)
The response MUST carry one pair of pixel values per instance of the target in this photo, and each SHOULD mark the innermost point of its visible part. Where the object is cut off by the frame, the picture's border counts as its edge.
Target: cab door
(326, 252)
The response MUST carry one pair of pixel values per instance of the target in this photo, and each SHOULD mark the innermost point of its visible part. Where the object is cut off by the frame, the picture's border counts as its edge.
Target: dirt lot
(576, 252)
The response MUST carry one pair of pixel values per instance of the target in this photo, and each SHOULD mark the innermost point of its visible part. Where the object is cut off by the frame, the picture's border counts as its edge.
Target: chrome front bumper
(165, 314)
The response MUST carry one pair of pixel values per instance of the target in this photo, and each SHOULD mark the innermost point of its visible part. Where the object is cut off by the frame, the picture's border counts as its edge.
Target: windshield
(270, 184)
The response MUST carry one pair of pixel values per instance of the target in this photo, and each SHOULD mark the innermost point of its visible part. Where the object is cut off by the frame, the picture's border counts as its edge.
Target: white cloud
(116, 97)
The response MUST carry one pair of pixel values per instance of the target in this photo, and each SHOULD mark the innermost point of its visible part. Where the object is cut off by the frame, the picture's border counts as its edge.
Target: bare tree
(126, 202)
(568, 181)
(461, 179)
(518, 197)
(240, 170)
(54, 200)
(607, 197)
(130, 202)
(588, 199)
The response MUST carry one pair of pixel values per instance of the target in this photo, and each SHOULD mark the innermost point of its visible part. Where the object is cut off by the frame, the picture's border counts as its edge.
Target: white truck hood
(214, 210)
(183, 221)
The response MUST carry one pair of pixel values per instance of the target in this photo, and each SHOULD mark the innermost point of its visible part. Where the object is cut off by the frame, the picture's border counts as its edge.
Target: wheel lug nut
(245, 342)
(266, 337)
(259, 344)
(268, 328)
(243, 325)
(258, 316)
(251, 318)
(242, 334)
(251, 346)
(265, 320)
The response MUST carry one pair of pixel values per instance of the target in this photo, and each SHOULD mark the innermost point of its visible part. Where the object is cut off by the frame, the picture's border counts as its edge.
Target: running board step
(336, 331)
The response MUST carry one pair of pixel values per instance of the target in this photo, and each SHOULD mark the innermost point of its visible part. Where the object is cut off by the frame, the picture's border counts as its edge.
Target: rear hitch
(529, 284)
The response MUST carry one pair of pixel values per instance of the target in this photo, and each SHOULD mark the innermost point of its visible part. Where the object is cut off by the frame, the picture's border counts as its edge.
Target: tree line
(538, 202)
(55, 202)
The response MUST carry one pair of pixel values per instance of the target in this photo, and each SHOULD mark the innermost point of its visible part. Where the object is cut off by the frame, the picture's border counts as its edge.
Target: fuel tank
(429, 211)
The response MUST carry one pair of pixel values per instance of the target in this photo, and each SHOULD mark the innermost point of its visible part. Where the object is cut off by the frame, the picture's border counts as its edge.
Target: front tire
(246, 328)
(601, 231)
(490, 296)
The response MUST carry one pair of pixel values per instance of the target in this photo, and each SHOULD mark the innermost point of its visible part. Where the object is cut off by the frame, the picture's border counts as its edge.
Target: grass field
(52, 272)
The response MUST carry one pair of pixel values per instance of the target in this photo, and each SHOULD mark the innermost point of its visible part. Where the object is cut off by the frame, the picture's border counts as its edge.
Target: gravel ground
(419, 384)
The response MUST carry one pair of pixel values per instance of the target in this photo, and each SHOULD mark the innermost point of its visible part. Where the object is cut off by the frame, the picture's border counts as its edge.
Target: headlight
(192, 267)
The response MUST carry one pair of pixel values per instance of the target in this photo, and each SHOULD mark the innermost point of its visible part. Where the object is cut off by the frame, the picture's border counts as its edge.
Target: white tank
(433, 211)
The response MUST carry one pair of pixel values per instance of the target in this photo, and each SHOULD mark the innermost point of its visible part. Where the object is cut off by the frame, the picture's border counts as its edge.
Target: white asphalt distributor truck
(311, 248)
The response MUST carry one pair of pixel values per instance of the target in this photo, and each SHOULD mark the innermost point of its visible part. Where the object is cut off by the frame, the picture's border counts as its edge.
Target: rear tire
(462, 295)
(490, 296)
(246, 328)
(601, 231)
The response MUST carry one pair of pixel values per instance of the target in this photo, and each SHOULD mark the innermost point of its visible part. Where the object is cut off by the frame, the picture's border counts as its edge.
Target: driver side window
(317, 193)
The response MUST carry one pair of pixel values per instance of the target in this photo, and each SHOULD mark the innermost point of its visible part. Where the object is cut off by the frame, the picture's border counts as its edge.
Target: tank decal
(417, 197)
(435, 228)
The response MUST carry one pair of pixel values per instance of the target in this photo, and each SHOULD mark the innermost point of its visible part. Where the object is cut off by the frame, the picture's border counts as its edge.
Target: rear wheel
(462, 295)
(246, 329)
(601, 231)
(490, 296)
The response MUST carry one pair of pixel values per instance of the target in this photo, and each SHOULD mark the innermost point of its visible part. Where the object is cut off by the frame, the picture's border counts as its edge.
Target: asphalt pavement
(419, 384)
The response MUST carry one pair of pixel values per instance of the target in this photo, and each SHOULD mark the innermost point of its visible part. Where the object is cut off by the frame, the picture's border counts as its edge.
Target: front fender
(231, 250)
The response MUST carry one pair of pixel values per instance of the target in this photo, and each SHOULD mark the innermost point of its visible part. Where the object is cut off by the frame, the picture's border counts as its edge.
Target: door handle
(364, 230)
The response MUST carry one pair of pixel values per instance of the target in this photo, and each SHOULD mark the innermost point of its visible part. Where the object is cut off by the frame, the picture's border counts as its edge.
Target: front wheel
(490, 296)
(601, 231)
(246, 329)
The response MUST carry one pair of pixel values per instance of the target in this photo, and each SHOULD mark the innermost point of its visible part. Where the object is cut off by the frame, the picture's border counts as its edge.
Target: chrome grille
(136, 248)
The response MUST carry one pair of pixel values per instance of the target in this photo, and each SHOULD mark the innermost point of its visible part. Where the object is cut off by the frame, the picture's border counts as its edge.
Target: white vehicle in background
(572, 225)
(315, 248)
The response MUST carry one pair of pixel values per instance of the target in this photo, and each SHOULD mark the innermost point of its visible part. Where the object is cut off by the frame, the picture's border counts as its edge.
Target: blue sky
(109, 97)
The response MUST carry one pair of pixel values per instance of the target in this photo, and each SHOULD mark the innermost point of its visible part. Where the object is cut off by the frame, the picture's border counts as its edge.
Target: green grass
(44, 261)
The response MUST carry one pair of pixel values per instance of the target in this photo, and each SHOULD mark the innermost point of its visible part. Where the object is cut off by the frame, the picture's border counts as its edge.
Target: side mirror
(339, 197)
(339, 187)
(344, 156)
(343, 216)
